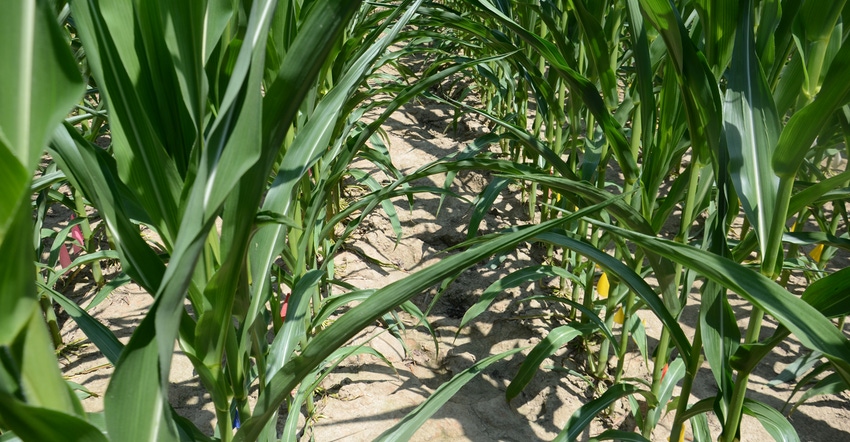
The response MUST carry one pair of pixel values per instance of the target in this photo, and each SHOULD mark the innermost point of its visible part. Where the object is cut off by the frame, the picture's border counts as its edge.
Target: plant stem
(624, 337)
(661, 356)
(768, 268)
(657, 370)
(692, 369)
(222, 406)
(85, 228)
(50, 317)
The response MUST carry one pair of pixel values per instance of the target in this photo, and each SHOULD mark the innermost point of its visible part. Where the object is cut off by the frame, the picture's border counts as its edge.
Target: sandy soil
(365, 396)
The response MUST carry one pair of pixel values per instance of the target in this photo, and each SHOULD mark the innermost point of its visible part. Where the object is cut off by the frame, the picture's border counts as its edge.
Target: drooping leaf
(383, 300)
(810, 326)
(557, 338)
(772, 420)
(587, 412)
(830, 295)
(628, 277)
(521, 276)
(405, 429)
(832, 384)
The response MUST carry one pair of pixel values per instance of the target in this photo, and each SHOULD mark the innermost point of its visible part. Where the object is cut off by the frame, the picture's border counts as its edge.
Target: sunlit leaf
(553, 341)
(772, 420)
(405, 429)
(752, 129)
(589, 411)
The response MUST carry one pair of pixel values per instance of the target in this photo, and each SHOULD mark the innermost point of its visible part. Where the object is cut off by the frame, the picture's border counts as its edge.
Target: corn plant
(233, 128)
(40, 84)
(731, 103)
(247, 115)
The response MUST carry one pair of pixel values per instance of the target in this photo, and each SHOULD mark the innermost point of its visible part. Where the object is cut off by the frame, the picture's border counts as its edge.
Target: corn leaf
(557, 338)
(580, 85)
(643, 67)
(675, 373)
(126, 77)
(94, 171)
(618, 435)
(383, 300)
(625, 214)
(598, 51)
(805, 125)
(772, 420)
(628, 277)
(587, 412)
(700, 92)
(107, 30)
(720, 335)
(406, 428)
(832, 384)
(830, 295)
(719, 19)
(293, 330)
(811, 327)
(312, 140)
(752, 129)
(39, 83)
(99, 334)
(515, 279)
(588, 313)
(36, 423)
(483, 204)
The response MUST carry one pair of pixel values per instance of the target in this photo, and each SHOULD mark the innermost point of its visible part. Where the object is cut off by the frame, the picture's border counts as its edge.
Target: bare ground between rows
(364, 396)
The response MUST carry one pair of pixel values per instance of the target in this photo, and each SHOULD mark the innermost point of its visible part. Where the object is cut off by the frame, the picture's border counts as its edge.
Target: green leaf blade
(405, 429)
(556, 339)
(773, 421)
(752, 130)
(811, 327)
(39, 83)
(584, 415)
